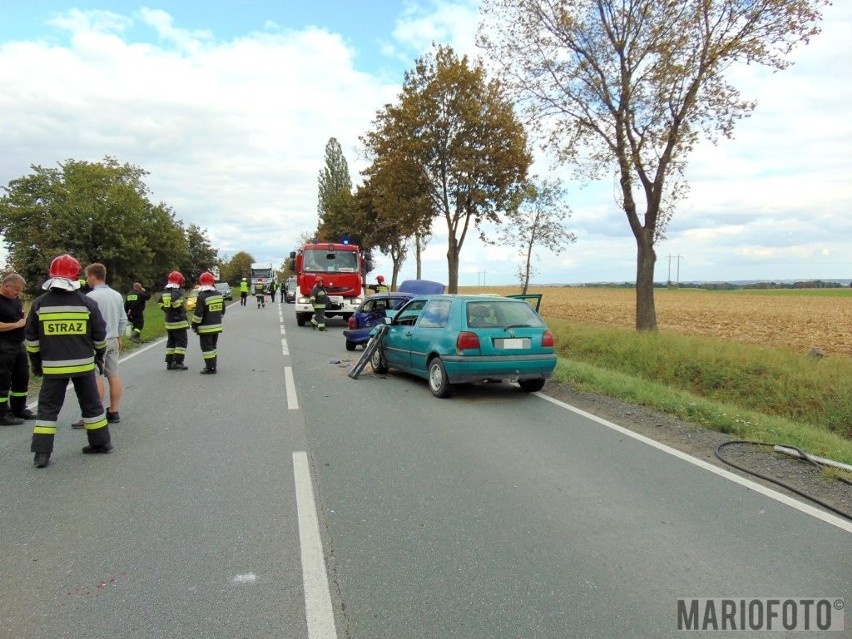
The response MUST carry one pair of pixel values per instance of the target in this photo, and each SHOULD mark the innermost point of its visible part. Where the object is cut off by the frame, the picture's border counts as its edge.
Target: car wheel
(531, 385)
(350, 345)
(438, 383)
(302, 318)
(378, 362)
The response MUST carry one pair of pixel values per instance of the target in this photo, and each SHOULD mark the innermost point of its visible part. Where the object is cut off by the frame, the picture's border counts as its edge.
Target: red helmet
(207, 279)
(380, 278)
(175, 277)
(65, 266)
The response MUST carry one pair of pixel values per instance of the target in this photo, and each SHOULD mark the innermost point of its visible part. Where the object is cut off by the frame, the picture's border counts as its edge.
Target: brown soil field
(796, 321)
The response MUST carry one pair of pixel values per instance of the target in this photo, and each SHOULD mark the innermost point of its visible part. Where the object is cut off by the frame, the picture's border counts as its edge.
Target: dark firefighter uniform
(172, 303)
(65, 337)
(319, 299)
(260, 294)
(15, 377)
(134, 306)
(207, 323)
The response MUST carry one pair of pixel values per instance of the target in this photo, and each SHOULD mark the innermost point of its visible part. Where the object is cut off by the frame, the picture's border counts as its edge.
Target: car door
(396, 344)
(431, 334)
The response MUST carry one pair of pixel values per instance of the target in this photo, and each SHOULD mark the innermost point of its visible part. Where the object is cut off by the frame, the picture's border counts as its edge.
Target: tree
(200, 255)
(537, 220)
(97, 212)
(335, 189)
(454, 138)
(238, 267)
(631, 86)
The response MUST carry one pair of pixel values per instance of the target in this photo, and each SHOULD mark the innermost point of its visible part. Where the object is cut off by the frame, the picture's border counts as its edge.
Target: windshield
(261, 272)
(323, 261)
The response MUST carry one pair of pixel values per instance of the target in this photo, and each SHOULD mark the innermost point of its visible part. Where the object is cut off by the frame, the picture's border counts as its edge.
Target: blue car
(373, 310)
(455, 339)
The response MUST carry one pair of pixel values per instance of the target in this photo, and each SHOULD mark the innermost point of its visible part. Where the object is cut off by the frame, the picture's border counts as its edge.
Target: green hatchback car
(456, 339)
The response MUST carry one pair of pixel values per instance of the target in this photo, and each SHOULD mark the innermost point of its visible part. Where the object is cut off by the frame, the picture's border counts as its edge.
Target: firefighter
(207, 320)
(260, 294)
(65, 337)
(172, 303)
(380, 286)
(244, 291)
(273, 286)
(134, 306)
(319, 298)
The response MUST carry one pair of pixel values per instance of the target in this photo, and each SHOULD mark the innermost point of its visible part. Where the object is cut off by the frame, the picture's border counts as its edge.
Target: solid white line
(290, 387)
(318, 610)
(763, 490)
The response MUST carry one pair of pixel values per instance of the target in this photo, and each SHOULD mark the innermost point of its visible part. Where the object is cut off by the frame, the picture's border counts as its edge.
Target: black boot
(41, 460)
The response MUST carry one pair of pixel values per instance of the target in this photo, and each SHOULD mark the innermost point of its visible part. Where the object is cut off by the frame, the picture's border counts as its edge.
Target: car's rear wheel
(378, 362)
(350, 345)
(531, 385)
(438, 382)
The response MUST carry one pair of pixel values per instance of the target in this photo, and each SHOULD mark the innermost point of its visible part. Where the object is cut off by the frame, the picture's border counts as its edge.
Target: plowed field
(797, 320)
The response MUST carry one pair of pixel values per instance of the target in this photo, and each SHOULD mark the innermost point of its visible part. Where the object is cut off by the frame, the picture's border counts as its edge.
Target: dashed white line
(318, 610)
(290, 389)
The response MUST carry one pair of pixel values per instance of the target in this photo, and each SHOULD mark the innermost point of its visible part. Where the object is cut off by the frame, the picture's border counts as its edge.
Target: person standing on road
(260, 294)
(244, 291)
(14, 368)
(112, 310)
(273, 288)
(65, 338)
(319, 298)
(207, 321)
(283, 292)
(172, 303)
(134, 306)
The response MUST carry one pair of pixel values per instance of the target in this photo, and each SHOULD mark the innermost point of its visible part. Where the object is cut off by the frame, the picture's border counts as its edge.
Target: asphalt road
(280, 498)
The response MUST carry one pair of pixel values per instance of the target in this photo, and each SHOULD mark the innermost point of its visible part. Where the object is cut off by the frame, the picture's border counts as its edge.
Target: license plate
(335, 299)
(515, 342)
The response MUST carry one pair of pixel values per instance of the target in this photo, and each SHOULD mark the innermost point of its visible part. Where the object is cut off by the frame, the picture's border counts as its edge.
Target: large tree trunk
(452, 267)
(646, 259)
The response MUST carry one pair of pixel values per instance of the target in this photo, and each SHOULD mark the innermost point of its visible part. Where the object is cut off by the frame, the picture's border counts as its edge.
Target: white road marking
(743, 481)
(285, 350)
(318, 610)
(290, 387)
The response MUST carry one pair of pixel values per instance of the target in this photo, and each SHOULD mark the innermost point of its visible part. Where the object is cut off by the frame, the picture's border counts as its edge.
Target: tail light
(467, 340)
(352, 323)
(547, 340)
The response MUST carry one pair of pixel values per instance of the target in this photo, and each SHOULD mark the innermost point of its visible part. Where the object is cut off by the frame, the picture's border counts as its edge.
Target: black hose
(777, 481)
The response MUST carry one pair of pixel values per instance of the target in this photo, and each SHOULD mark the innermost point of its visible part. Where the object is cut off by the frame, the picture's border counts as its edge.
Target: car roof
(421, 287)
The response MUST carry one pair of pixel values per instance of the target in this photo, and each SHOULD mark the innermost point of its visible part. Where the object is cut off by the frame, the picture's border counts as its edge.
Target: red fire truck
(340, 267)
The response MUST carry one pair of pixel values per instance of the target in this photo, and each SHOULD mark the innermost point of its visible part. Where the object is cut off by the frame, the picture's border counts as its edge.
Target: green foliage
(452, 148)
(537, 219)
(238, 267)
(201, 256)
(97, 212)
(766, 381)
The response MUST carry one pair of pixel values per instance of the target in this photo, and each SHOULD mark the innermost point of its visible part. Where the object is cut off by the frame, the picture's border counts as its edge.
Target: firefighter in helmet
(319, 298)
(207, 320)
(65, 337)
(380, 286)
(172, 303)
(244, 291)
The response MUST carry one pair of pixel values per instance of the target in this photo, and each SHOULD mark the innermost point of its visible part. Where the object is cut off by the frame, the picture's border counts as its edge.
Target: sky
(229, 105)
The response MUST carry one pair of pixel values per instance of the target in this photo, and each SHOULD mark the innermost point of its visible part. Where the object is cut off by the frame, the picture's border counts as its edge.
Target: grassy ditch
(750, 392)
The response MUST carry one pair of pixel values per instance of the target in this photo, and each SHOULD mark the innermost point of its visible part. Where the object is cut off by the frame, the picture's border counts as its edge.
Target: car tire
(531, 385)
(378, 362)
(350, 345)
(438, 382)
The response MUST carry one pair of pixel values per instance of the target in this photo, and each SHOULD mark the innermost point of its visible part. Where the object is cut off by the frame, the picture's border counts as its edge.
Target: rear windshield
(503, 313)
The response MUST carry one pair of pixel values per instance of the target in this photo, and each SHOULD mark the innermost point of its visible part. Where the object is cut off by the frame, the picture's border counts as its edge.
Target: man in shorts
(111, 304)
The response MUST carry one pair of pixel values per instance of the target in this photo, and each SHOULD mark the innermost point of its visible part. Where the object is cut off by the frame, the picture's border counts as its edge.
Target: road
(280, 498)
